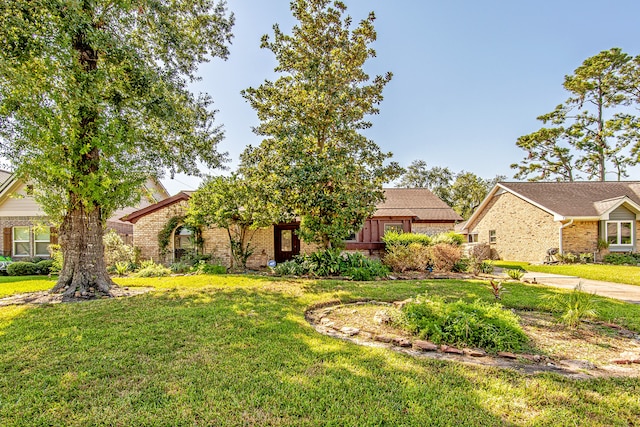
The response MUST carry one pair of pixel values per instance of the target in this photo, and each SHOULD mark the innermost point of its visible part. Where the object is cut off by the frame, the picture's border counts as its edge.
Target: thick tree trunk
(84, 273)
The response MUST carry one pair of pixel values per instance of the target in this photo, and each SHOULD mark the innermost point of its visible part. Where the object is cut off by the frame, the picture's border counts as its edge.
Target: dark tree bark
(84, 273)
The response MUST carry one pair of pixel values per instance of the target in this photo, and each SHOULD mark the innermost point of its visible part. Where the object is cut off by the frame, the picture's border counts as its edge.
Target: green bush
(204, 268)
(450, 238)
(462, 265)
(486, 267)
(45, 266)
(180, 267)
(394, 238)
(621, 259)
(151, 269)
(586, 258)
(22, 268)
(575, 306)
(476, 324)
(331, 262)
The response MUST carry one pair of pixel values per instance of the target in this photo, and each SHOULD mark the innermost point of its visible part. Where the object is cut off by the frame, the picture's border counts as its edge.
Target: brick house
(26, 231)
(522, 220)
(417, 210)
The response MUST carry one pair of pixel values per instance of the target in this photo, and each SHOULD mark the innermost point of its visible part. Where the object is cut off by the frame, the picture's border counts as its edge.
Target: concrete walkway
(627, 293)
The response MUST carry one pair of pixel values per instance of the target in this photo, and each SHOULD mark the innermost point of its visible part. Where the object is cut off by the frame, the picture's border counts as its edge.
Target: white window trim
(14, 241)
(472, 238)
(495, 238)
(618, 231)
(35, 244)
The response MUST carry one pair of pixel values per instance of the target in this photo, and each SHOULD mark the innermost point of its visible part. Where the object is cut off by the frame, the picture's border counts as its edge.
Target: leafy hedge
(476, 324)
(23, 268)
(332, 262)
(621, 259)
(394, 238)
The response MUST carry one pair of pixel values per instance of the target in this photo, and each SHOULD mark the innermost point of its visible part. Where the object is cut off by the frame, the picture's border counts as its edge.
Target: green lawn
(609, 273)
(236, 350)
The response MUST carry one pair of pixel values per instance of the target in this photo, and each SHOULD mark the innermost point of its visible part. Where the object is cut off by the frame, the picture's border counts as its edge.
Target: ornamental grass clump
(476, 324)
(515, 273)
(575, 306)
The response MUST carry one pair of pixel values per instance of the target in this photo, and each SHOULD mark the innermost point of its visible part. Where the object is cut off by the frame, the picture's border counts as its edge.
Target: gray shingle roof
(576, 199)
(420, 203)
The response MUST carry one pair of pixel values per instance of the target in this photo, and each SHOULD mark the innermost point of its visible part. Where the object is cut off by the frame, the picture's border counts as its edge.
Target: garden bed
(594, 349)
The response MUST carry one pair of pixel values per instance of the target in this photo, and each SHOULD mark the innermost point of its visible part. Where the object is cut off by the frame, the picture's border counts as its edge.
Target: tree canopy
(320, 165)
(237, 205)
(94, 101)
(463, 191)
(594, 132)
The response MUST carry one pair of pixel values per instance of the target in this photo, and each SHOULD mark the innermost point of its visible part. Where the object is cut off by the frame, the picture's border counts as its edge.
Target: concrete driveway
(627, 293)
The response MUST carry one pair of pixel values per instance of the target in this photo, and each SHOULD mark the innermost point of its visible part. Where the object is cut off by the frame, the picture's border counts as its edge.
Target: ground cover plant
(237, 350)
(609, 273)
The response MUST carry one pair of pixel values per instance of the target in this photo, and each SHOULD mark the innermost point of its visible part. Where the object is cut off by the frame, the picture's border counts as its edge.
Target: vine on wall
(164, 235)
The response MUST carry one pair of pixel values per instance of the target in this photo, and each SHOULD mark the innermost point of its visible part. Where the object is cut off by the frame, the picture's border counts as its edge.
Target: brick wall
(524, 232)
(18, 221)
(580, 237)
(146, 229)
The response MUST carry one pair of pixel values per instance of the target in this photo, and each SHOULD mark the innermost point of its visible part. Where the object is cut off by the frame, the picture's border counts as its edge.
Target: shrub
(462, 265)
(444, 256)
(44, 266)
(567, 258)
(476, 324)
(325, 263)
(180, 267)
(56, 256)
(575, 306)
(205, 268)
(586, 258)
(115, 250)
(450, 238)
(193, 259)
(394, 238)
(621, 259)
(22, 268)
(289, 268)
(515, 273)
(151, 269)
(414, 257)
(486, 267)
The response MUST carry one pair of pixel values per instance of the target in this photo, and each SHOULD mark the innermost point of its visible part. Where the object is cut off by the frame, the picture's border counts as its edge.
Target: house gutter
(560, 249)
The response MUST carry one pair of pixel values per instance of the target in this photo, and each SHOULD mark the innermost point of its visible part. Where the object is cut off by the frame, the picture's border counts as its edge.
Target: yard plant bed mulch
(595, 349)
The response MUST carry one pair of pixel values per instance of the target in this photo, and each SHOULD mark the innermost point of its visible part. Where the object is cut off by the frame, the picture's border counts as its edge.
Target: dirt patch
(593, 350)
(45, 297)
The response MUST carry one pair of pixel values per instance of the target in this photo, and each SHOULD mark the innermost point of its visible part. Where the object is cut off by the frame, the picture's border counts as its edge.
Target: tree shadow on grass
(248, 357)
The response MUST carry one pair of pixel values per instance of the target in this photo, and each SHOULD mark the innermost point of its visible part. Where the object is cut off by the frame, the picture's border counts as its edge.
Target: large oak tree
(321, 166)
(94, 101)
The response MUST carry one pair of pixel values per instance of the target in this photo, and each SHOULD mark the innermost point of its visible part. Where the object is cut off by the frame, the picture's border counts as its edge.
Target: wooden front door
(287, 243)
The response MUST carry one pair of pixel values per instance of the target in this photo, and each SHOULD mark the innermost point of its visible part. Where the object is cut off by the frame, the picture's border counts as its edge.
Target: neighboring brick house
(26, 231)
(417, 210)
(522, 220)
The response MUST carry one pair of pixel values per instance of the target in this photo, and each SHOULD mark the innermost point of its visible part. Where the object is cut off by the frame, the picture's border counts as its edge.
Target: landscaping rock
(450, 350)
(579, 364)
(401, 304)
(425, 345)
(507, 355)
(382, 318)
(383, 338)
(347, 330)
(474, 352)
(401, 342)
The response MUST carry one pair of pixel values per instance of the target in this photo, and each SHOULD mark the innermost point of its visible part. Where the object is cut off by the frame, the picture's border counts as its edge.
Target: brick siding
(524, 232)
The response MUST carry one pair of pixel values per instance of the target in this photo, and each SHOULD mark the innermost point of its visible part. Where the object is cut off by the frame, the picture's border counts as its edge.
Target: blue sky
(470, 77)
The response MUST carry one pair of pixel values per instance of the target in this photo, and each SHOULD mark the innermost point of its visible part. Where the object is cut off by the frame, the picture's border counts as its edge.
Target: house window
(42, 238)
(492, 236)
(619, 232)
(21, 241)
(472, 238)
(393, 227)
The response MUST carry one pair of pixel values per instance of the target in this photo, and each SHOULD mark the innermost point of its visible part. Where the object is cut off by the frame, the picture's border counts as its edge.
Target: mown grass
(236, 350)
(609, 273)
(11, 285)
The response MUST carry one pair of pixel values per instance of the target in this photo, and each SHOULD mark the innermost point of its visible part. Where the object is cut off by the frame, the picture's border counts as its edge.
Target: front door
(287, 244)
